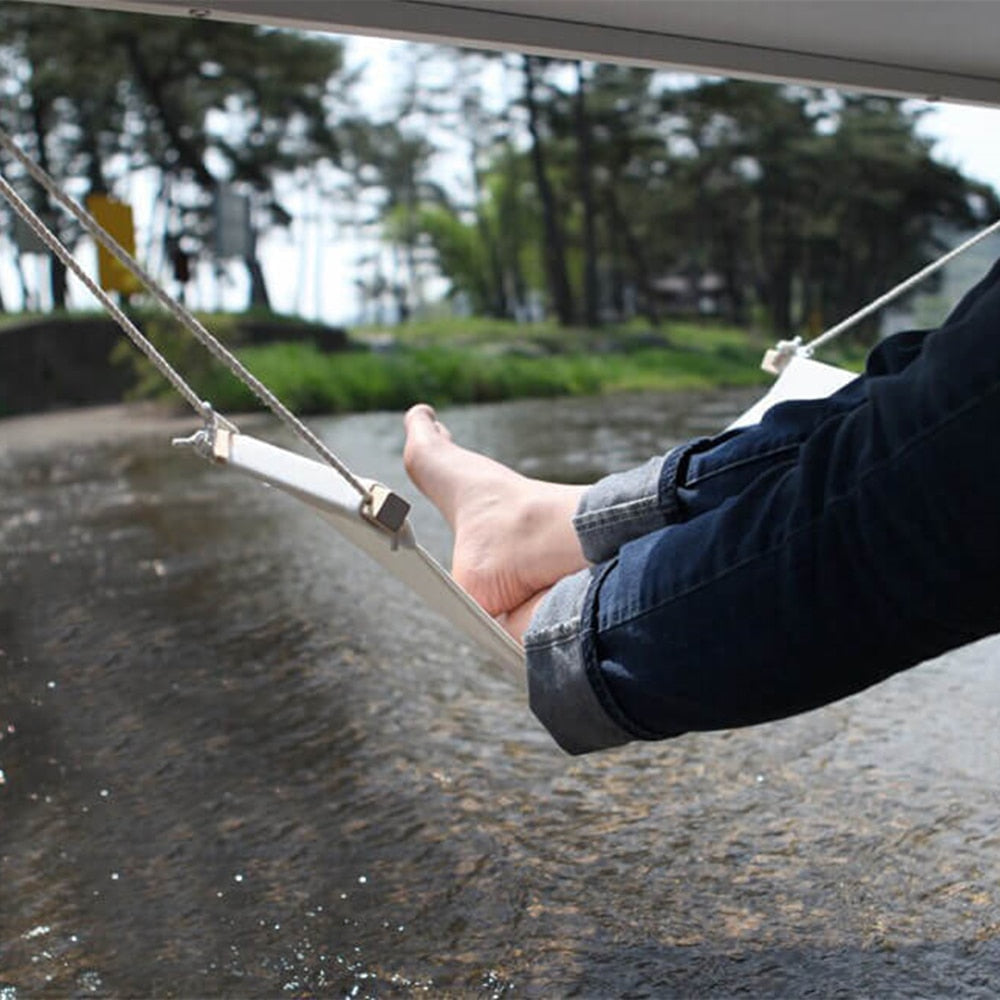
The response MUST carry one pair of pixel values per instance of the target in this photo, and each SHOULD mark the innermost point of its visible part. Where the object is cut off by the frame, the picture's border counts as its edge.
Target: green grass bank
(467, 361)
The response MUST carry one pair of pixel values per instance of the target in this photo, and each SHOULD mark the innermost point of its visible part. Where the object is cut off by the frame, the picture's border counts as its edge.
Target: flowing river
(238, 761)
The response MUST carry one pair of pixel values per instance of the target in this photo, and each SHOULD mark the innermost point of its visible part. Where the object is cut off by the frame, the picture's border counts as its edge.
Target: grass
(457, 361)
(309, 381)
(549, 337)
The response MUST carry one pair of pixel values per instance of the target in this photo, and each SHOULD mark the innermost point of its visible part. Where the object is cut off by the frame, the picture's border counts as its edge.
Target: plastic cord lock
(385, 508)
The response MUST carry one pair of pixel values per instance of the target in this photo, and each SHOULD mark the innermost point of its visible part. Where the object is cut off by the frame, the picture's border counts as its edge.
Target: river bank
(50, 363)
(309, 381)
(90, 426)
(449, 362)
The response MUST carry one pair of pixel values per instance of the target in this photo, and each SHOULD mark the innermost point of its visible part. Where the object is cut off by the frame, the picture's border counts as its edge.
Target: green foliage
(211, 379)
(461, 254)
(202, 101)
(491, 366)
(184, 354)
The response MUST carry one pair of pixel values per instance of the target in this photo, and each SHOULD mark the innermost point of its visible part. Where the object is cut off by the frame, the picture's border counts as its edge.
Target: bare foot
(514, 536)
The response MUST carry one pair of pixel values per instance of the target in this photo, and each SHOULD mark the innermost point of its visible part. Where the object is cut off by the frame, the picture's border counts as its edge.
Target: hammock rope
(55, 245)
(779, 356)
(190, 323)
(904, 286)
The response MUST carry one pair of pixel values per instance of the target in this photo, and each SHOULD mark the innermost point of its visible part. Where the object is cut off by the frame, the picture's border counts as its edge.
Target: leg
(698, 476)
(874, 548)
(514, 536)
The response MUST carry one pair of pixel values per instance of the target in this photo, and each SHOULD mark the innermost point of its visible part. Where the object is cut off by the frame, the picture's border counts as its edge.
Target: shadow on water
(237, 761)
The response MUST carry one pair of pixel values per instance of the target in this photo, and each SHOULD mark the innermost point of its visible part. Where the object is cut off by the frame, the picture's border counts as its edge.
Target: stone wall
(53, 363)
(57, 362)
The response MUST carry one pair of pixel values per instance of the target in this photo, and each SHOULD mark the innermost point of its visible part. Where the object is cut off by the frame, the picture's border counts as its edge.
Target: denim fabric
(797, 561)
(624, 506)
(559, 692)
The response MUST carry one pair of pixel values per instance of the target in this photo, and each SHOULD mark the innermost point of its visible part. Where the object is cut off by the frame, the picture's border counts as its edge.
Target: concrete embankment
(58, 362)
(52, 363)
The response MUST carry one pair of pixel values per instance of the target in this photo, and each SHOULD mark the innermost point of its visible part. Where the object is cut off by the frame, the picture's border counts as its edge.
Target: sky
(311, 268)
(966, 137)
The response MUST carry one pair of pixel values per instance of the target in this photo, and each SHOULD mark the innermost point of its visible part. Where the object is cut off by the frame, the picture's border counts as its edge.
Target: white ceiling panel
(947, 49)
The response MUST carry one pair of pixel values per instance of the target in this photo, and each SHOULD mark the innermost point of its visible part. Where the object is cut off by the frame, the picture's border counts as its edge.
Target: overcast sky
(968, 138)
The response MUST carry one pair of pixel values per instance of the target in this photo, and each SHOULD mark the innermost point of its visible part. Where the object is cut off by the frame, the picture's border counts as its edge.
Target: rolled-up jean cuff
(559, 690)
(627, 505)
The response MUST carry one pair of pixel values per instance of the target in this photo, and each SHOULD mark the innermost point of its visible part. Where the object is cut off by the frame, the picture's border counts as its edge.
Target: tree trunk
(43, 206)
(780, 274)
(734, 289)
(616, 273)
(399, 289)
(512, 242)
(555, 250)
(259, 298)
(415, 294)
(95, 168)
(26, 298)
(584, 160)
(497, 296)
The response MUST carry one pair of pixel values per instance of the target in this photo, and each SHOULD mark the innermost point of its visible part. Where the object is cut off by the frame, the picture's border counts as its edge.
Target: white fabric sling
(398, 552)
(801, 378)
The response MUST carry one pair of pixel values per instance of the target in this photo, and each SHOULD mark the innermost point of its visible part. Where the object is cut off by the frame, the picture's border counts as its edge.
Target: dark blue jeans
(801, 559)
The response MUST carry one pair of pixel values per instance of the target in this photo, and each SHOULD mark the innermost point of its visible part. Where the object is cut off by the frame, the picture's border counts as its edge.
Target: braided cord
(904, 286)
(55, 245)
(179, 312)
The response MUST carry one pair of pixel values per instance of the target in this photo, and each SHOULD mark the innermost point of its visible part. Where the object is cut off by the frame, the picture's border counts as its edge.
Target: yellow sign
(116, 218)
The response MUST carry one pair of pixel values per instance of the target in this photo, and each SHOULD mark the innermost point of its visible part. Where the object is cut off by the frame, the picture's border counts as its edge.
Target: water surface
(237, 761)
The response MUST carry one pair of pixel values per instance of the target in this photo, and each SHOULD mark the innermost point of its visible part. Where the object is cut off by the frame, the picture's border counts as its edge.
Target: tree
(487, 134)
(463, 255)
(815, 202)
(888, 206)
(97, 94)
(629, 162)
(492, 216)
(64, 104)
(585, 168)
(555, 247)
(256, 102)
(393, 164)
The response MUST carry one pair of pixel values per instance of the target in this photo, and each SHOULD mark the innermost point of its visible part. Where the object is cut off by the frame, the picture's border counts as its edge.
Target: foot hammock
(368, 514)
